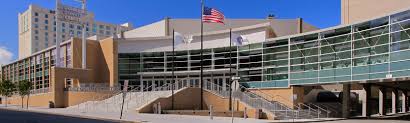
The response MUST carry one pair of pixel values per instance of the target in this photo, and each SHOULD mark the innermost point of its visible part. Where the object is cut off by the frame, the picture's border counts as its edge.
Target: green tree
(7, 89)
(23, 89)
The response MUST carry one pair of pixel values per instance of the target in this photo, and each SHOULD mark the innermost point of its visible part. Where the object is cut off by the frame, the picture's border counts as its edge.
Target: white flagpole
(58, 40)
(84, 43)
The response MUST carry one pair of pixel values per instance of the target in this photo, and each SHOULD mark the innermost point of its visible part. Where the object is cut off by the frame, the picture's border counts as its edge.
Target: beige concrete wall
(156, 29)
(361, 10)
(283, 95)
(71, 98)
(37, 100)
(108, 62)
(74, 98)
(57, 80)
(189, 99)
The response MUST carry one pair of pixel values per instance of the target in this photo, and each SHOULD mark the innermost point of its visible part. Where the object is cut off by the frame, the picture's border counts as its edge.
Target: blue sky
(321, 13)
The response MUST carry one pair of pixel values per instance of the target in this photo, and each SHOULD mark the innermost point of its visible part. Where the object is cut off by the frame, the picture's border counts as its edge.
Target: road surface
(13, 116)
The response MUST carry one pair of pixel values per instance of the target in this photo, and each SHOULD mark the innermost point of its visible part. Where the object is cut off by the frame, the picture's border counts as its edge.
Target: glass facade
(371, 50)
(36, 68)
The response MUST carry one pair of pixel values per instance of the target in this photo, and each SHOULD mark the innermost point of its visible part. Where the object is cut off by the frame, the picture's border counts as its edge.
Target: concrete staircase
(278, 109)
(137, 98)
(133, 100)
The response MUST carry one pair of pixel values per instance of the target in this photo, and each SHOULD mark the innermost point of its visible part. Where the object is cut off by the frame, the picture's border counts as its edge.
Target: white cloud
(5, 55)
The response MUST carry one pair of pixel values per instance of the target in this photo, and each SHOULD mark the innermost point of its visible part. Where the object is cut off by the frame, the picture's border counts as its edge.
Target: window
(35, 14)
(79, 27)
(46, 21)
(71, 26)
(46, 15)
(35, 19)
(108, 28)
(46, 34)
(63, 24)
(35, 25)
(101, 26)
(35, 37)
(107, 33)
(45, 27)
(35, 31)
(71, 32)
(63, 30)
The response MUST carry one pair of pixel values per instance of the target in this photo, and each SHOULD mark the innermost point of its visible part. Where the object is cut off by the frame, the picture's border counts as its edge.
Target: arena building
(288, 65)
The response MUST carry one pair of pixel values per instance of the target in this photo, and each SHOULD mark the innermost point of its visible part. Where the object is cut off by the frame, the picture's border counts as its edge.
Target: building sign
(70, 14)
(389, 76)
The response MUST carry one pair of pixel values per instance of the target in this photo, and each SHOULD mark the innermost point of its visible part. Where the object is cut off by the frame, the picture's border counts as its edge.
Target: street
(11, 116)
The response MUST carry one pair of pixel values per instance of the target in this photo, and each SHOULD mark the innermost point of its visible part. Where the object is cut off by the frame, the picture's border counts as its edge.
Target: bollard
(211, 112)
(244, 113)
(159, 108)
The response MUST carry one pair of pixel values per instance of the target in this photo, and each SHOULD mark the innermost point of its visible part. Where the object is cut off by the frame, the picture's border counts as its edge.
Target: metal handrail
(332, 110)
(327, 111)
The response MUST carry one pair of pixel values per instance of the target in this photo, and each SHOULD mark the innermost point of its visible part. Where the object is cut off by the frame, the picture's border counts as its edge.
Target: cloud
(5, 55)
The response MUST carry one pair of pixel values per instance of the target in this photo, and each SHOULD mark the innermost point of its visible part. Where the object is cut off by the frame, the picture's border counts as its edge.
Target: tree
(24, 88)
(7, 89)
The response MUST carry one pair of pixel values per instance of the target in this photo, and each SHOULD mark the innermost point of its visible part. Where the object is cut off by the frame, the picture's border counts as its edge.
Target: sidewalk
(150, 118)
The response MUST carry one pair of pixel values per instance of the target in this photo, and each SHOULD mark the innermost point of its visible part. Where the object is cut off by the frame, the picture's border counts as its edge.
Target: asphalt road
(11, 116)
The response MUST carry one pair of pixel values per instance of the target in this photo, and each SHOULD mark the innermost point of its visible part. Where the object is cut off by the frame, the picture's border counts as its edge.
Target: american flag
(212, 15)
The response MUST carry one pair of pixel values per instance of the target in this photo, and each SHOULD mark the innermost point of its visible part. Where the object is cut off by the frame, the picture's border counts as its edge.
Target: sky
(320, 13)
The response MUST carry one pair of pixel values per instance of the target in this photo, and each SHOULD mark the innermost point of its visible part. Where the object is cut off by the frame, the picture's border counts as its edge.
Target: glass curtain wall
(372, 50)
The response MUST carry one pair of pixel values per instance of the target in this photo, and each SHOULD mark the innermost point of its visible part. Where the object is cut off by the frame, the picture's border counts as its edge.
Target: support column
(366, 109)
(382, 96)
(403, 101)
(394, 94)
(346, 101)
(407, 100)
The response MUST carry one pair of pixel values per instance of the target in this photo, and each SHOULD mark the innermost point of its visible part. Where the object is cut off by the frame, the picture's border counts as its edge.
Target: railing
(94, 87)
(321, 109)
(138, 96)
(258, 101)
(251, 99)
(39, 91)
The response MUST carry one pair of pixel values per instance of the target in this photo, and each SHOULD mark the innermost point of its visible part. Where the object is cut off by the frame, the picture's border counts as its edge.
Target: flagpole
(230, 69)
(58, 41)
(202, 53)
(173, 68)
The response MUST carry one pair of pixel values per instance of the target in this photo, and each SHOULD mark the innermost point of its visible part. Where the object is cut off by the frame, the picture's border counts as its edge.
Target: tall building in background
(361, 10)
(37, 29)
